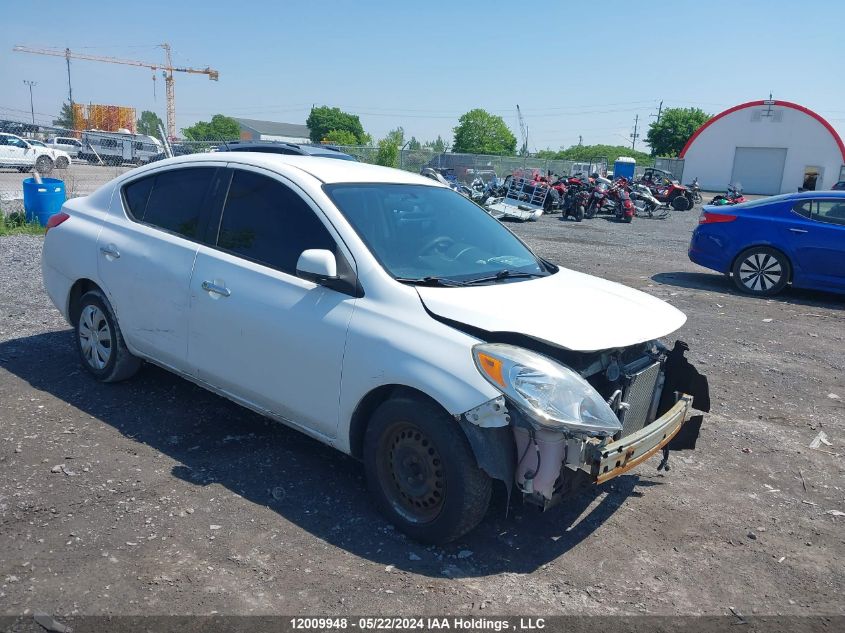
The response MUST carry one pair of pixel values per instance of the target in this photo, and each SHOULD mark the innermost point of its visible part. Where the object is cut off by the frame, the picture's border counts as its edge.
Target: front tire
(761, 271)
(579, 213)
(99, 341)
(422, 471)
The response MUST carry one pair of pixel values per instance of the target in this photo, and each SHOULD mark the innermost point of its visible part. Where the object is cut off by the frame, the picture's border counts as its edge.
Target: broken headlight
(553, 395)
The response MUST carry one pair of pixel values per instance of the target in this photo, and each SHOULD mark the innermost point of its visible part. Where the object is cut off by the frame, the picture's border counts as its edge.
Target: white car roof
(327, 170)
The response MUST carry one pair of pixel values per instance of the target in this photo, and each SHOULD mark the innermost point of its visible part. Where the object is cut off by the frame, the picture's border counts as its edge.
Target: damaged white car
(381, 313)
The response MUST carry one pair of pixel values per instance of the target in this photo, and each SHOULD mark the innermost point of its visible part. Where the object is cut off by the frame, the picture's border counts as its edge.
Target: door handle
(110, 250)
(212, 287)
(799, 230)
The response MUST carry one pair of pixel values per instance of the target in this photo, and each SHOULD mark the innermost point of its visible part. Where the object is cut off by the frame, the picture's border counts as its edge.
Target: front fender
(405, 346)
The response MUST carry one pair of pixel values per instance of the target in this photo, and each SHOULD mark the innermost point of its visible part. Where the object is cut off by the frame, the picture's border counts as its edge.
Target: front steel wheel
(761, 271)
(422, 472)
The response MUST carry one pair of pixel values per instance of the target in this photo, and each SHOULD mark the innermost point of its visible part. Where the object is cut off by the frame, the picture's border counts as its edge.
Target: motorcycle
(695, 190)
(666, 189)
(732, 197)
(576, 198)
(646, 204)
(598, 198)
(624, 211)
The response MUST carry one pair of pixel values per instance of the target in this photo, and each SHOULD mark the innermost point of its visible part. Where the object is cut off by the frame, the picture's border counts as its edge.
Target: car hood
(567, 309)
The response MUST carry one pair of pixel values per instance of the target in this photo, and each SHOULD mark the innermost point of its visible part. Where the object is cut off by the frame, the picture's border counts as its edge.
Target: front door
(257, 331)
(146, 252)
(816, 235)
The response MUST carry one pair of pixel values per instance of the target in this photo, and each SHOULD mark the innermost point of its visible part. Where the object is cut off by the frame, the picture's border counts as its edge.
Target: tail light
(708, 217)
(55, 220)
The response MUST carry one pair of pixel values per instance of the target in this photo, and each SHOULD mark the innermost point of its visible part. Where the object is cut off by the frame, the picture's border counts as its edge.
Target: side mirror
(317, 264)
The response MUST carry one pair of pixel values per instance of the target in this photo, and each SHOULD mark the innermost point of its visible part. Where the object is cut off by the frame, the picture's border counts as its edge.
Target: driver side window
(267, 222)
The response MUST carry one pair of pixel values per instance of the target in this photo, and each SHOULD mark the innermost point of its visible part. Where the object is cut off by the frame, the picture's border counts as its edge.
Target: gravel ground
(156, 497)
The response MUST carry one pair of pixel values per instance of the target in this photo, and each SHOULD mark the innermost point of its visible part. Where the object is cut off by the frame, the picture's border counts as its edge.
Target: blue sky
(574, 68)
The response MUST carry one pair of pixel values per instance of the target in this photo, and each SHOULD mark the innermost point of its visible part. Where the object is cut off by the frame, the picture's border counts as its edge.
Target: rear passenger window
(803, 208)
(267, 222)
(172, 200)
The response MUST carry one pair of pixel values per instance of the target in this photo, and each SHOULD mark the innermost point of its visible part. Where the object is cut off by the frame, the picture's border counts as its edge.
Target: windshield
(423, 233)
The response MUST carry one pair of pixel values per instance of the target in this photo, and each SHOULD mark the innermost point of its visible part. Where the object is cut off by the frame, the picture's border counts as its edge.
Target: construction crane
(167, 68)
(523, 131)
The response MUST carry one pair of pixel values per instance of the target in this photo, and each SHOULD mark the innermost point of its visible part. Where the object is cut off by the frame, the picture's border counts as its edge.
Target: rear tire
(579, 213)
(761, 271)
(99, 341)
(62, 163)
(422, 472)
(680, 203)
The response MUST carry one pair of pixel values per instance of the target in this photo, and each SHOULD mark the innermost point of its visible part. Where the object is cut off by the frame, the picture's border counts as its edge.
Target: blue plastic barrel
(41, 201)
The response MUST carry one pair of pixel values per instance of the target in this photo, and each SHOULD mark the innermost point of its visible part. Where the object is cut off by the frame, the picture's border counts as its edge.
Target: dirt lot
(155, 497)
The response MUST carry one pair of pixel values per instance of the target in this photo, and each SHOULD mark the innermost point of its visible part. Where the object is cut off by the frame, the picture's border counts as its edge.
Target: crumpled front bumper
(611, 460)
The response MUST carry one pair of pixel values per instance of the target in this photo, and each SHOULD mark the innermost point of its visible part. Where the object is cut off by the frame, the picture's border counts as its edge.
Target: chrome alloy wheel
(95, 337)
(760, 272)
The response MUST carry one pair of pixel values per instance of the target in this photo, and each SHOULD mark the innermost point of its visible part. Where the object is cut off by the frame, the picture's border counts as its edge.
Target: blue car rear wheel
(761, 271)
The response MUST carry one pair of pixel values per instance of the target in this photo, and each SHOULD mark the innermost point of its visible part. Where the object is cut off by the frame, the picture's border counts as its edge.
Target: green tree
(414, 144)
(65, 118)
(324, 119)
(668, 136)
(388, 153)
(148, 124)
(584, 153)
(340, 137)
(438, 146)
(220, 128)
(397, 136)
(479, 132)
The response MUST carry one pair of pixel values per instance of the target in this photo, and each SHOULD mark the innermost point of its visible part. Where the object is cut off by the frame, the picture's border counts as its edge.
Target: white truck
(24, 155)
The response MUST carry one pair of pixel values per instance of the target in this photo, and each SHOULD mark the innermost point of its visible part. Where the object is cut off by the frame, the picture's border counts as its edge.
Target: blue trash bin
(41, 201)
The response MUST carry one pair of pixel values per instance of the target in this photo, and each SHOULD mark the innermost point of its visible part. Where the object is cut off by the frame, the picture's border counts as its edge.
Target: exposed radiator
(639, 395)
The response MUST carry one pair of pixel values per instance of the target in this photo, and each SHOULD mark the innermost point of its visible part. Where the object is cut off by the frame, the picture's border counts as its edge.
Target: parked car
(765, 244)
(381, 313)
(839, 186)
(292, 149)
(61, 159)
(25, 155)
(66, 144)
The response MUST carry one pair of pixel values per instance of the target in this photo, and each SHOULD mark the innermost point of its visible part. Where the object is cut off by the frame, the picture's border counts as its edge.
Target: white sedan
(382, 314)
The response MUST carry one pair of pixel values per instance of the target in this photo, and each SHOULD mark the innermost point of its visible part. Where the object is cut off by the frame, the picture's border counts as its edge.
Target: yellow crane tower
(168, 68)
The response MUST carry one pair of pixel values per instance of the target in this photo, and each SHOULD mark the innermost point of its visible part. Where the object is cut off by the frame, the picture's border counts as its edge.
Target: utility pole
(69, 88)
(659, 111)
(634, 135)
(580, 140)
(31, 106)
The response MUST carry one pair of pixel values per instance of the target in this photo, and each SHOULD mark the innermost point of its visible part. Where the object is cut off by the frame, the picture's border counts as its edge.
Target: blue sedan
(765, 244)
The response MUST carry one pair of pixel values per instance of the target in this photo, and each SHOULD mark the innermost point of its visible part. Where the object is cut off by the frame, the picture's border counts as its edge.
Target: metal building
(767, 147)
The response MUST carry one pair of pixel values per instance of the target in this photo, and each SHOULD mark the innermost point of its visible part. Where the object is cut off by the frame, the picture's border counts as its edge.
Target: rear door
(258, 332)
(146, 253)
(817, 239)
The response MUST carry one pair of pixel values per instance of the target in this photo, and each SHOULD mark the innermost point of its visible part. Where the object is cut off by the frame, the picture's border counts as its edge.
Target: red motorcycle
(732, 197)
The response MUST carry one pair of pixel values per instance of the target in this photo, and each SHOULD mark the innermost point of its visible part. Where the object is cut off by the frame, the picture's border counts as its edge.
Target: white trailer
(116, 148)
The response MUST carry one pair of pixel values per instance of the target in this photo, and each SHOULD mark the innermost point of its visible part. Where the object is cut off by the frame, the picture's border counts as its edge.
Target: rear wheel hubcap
(760, 272)
(94, 337)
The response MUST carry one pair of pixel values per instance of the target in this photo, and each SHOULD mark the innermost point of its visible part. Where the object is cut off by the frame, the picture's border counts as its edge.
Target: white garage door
(759, 169)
